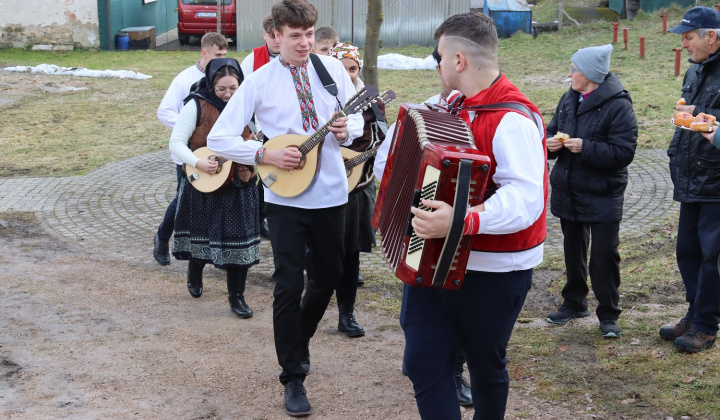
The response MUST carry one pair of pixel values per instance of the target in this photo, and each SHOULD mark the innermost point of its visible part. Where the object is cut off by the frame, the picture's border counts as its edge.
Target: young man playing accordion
(508, 228)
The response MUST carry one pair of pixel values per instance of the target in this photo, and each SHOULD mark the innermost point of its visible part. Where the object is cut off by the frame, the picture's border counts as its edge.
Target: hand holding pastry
(574, 145)
(555, 142)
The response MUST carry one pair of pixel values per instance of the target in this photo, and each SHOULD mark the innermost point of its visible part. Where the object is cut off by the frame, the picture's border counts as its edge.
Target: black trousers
(604, 266)
(165, 230)
(481, 316)
(346, 292)
(261, 201)
(295, 321)
(698, 250)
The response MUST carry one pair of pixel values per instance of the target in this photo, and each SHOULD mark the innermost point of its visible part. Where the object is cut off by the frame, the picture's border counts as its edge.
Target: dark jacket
(590, 186)
(694, 161)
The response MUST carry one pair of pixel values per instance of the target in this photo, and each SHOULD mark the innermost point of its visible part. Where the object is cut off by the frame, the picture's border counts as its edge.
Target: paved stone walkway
(115, 210)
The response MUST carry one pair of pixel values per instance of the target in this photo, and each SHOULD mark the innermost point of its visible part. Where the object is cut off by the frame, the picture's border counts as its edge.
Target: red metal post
(625, 36)
(615, 31)
(642, 47)
(717, 6)
(664, 24)
(677, 61)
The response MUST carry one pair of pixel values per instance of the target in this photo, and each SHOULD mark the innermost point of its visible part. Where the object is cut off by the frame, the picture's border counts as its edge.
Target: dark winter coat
(694, 161)
(590, 186)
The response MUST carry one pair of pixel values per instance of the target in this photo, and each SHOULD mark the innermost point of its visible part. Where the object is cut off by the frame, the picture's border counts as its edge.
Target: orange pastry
(703, 117)
(561, 137)
(700, 126)
(684, 119)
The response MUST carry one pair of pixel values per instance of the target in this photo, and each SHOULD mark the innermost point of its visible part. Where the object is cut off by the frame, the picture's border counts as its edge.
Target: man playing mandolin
(288, 97)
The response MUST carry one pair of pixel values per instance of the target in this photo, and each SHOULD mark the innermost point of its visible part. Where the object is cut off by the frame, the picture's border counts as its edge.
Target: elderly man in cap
(588, 184)
(695, 171)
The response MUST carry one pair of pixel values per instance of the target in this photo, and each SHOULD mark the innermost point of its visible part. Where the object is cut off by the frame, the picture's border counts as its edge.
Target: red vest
(483, 129)
(261, 56)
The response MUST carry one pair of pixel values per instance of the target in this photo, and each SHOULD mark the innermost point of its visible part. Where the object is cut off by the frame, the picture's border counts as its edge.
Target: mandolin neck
(362, 157)
(319, 135)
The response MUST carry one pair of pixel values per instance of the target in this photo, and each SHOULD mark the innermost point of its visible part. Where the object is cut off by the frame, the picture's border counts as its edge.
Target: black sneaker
(296, 402)
(563, 315)
(610, 328)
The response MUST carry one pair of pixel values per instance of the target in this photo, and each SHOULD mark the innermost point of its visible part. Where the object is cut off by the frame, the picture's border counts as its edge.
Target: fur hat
(593, 62)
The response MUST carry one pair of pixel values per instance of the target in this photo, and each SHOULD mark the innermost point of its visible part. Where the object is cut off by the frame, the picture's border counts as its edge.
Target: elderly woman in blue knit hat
(592, 137)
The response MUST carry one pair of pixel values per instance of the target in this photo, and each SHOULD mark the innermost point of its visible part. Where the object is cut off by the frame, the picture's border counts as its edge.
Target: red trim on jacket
(261, 56)
(483, 128)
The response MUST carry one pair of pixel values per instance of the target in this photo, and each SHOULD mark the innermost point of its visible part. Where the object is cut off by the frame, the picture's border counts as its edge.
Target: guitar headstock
(361, 100)
(387, 96)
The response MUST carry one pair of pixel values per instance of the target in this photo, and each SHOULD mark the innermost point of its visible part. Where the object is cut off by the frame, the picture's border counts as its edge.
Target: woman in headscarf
(221, 227)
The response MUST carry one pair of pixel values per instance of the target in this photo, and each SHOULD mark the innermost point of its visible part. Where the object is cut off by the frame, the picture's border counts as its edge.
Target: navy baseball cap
(698, 17)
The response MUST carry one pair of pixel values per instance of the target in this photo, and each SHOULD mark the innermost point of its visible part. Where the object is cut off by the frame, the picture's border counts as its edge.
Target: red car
(198, 17)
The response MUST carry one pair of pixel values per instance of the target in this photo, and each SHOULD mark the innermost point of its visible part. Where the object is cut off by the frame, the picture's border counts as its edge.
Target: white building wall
(57, 22)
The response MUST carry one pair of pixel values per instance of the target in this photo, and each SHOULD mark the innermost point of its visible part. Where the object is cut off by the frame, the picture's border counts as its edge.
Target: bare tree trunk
(372, 42)
(561, 10)
(219, 16)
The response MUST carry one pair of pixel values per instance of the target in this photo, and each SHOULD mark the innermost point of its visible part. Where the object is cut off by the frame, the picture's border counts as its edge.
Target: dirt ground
(89, 336)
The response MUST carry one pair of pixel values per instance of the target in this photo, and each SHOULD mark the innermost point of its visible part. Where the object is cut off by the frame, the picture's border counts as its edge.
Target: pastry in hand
(561, 137)
(681, 101)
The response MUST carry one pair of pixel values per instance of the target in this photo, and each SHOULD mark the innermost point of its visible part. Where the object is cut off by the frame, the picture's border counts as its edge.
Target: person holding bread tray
(592, 136)
(695, 172)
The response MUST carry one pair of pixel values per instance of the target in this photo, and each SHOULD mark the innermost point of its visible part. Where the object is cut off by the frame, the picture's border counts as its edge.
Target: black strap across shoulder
(325, 78)
(381, 123)
(504, 106)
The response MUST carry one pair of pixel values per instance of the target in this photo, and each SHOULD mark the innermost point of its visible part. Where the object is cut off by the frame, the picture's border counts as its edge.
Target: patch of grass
(72, 133)
(381, 293)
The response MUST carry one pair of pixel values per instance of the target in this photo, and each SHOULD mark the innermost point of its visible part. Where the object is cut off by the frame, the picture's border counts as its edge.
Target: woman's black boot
(194, 278)
(236, 290)
(347, 322)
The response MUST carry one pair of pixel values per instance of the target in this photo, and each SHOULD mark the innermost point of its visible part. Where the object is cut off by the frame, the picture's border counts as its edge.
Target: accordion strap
(517, 107)
(457, 223)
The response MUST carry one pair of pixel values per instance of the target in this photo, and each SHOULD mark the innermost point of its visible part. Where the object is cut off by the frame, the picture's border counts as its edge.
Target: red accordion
(432, 156)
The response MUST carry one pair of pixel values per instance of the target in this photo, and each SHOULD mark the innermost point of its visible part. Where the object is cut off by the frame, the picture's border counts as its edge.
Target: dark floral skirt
(222, 227)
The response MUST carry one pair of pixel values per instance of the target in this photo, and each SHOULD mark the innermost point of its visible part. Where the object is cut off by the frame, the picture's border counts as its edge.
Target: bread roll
(684, 119)
(700, 126)
(703, 117)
